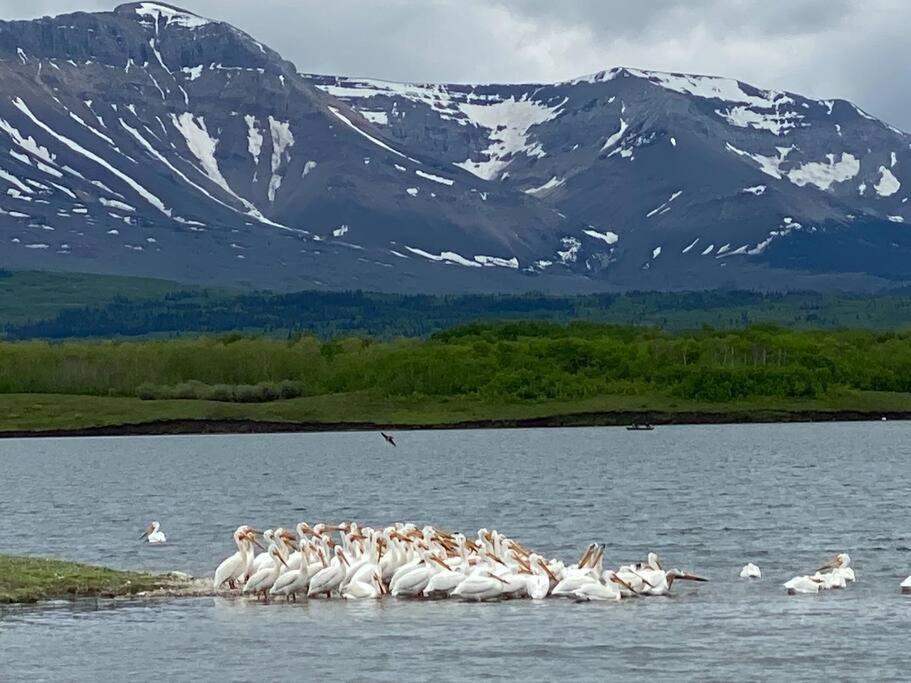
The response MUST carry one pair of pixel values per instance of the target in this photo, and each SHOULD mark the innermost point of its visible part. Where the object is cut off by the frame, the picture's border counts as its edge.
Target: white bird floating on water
(836, 573)
(906, 585)
(154, 534)
(407, 561)
(750, 571)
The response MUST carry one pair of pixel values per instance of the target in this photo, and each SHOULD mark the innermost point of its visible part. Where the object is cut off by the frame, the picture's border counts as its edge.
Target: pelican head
(151, 529)
(840, 561)
(653, 561)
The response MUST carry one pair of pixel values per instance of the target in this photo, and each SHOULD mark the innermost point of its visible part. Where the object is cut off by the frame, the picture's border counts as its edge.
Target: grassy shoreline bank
(23, 415)
(36, 579)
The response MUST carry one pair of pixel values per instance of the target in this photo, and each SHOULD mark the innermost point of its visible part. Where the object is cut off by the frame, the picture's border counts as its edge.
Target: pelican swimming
(906, 585)
(154, 534)
(803, 584)
(750, 571)
(839, 566)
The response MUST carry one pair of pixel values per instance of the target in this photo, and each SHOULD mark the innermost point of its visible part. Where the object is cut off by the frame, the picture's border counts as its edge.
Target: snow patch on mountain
(498, 262)
(508, 121)
(344, 119)
(775, 122)
(665, 207)
(169, 15)
(201, 145)
(435, 178)
(254, 138)
(282, 141)
(551, 184)
(888, 184)
(823, 174)
(616, 137)
(607, 236)
(446, 257)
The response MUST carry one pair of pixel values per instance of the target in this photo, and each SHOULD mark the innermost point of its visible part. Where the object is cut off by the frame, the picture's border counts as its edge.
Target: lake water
(706, 498)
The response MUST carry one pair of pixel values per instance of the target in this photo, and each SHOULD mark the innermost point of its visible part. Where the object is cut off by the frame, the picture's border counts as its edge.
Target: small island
(35, 579)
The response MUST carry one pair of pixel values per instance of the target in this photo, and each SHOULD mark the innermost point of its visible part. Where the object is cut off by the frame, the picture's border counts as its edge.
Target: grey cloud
(821, 48)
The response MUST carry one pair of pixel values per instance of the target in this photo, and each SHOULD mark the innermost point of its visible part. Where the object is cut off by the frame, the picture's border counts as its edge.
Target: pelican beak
(644, 580)
(250, 537)
(616, 579)
(344, 559)
(144, 534)
(583, 561)
(282, 560)
(547, 571)
(691, 577)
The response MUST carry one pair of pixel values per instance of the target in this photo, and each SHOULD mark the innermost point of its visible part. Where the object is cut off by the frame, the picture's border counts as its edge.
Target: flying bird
(389, 438)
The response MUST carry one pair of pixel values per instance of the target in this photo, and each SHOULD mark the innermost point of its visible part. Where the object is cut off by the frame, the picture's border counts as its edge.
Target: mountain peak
(159, 12)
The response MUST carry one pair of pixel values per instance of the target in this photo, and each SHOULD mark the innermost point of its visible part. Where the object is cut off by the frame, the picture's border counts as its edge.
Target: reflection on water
(706, 498)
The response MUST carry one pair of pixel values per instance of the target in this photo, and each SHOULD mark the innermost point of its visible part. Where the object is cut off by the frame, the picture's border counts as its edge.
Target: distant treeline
(330, 315)
(520, 361)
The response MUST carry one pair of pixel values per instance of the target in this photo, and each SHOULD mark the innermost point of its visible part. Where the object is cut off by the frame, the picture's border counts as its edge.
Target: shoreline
(582, 419)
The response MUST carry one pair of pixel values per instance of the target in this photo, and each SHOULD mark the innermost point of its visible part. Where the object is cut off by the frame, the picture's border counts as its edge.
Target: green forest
(513, 362)
(71, 306)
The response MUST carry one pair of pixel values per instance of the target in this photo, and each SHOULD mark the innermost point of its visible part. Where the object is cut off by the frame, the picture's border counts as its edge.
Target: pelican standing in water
(237, 565)
(154, 534)
(263, 580)
(330, 578)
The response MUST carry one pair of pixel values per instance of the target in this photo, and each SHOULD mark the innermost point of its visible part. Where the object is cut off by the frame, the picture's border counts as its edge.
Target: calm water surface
(707, 498)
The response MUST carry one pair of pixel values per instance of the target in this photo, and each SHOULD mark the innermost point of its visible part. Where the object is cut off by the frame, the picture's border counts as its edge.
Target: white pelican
(661, 581)
(803, 584)
(363, 590)
(154, 534)
(413, 582)
(238, 564)
(478, 586)
(906, 585)
(750, 571)
(293, 581)
(328, 579)
(265, 578)
(597, 591)
(840, 567)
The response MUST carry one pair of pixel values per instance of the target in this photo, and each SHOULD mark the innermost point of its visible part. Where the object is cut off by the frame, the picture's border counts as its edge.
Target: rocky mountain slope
(151, 141)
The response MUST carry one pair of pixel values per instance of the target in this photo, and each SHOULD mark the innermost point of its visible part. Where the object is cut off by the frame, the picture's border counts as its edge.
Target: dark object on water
(389, 439)
(640, 428)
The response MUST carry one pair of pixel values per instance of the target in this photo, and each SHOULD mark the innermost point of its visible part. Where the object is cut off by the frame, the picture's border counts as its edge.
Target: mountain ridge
(152, 141)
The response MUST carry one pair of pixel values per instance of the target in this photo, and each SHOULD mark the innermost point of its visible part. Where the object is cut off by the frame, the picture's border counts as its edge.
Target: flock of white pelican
(407, 561)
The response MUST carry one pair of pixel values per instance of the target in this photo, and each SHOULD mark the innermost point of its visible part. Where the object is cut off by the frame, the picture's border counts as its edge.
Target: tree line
(510, 361)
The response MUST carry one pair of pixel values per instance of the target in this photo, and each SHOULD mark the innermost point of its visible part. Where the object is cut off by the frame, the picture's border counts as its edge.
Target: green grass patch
(32, 579)
(43, 412)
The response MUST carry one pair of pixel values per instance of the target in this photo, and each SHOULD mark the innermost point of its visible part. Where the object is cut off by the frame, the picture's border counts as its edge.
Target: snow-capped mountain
(679, 180)
(152, 141)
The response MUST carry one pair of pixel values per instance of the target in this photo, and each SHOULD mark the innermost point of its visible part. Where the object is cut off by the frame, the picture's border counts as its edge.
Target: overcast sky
(854, 49)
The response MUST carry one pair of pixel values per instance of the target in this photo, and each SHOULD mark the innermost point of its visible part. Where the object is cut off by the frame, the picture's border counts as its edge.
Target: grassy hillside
(26, 296)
